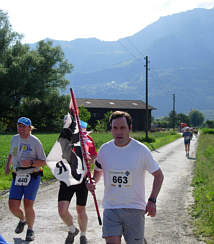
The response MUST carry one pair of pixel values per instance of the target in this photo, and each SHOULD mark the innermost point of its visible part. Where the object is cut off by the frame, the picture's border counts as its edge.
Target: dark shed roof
(112, 103)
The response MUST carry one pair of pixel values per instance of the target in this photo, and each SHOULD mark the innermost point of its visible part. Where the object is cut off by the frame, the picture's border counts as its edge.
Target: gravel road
(172, 225)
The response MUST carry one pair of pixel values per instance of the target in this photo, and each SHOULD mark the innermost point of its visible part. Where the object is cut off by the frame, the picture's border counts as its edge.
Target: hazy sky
(106, 20)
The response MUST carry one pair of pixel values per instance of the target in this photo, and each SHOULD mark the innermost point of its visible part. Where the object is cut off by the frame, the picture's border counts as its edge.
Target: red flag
(73, 107)
(75, 113)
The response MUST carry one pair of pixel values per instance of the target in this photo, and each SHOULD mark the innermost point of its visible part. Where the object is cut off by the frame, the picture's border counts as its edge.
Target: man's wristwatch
(152, 199)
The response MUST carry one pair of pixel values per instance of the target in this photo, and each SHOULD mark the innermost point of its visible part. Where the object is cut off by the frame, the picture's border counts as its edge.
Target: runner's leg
(81, 200)
(15, 197)
(30, 192)
(188, 147)
(29, 212)
(82, 217)
(64, 197)
(113, 240)
(185, 148)
(14, 206)
(64, 213)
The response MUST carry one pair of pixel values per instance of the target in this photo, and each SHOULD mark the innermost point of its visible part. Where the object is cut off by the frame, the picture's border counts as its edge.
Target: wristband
(31, 163)
(152, 199)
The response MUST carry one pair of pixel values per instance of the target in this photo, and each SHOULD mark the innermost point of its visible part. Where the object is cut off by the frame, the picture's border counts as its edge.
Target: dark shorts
(29, 191)
(187, 141)
(66, 193)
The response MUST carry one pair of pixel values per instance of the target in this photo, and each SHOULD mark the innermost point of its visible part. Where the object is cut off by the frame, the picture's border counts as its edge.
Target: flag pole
(84, 151)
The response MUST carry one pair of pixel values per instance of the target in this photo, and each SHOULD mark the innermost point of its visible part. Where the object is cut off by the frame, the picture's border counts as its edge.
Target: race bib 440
(120, 178)
(22, 180)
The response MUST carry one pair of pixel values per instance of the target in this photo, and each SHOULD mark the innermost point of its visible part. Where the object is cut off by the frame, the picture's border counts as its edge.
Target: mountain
(181, 54)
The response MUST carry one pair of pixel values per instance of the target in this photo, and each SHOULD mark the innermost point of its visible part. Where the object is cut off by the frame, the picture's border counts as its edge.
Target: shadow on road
(20, 241)
(192, 158)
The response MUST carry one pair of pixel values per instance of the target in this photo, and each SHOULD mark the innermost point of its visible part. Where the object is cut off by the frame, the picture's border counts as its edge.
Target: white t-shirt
(124, 174)
(26, 149)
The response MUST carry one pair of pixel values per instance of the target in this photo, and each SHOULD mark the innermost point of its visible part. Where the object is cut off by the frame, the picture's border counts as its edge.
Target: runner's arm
(157, 183)
(96, 177)
(9, 162)
(33, 163)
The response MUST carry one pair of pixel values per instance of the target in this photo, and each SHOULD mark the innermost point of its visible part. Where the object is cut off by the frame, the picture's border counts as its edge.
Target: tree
(196, 118)
(161, 122)
(172, 119)
(84, 114)
(33, 74)
(46, 114)
(27, 74)
(7, 36)
(210, 123)
(103, 125)
(182, 118)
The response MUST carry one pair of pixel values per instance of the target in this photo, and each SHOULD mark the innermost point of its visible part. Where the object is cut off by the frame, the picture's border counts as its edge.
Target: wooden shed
(136, 108)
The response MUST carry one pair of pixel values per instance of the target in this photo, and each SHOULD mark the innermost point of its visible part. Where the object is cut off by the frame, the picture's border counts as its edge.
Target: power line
(127, 49)
(133, 46)
(138, 50)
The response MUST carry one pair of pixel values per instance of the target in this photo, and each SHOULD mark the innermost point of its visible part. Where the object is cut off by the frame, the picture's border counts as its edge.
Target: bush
(210, 123)
(207, 131)
(101, 126)
(3, 127)
(144, 139)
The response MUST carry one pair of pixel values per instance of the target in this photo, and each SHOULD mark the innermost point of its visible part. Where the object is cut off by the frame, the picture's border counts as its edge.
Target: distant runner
(187, 135)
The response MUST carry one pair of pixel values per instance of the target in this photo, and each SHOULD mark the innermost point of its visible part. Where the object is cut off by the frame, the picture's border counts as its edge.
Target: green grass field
(203, 183)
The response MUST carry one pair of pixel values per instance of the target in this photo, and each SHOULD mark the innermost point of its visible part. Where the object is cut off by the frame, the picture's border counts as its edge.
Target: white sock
(71, 228)
(83, 234)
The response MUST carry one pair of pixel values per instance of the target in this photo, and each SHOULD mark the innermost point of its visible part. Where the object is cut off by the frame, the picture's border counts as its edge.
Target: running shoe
(30, 235)
(83, 240)
(70, 237)
(20, 227)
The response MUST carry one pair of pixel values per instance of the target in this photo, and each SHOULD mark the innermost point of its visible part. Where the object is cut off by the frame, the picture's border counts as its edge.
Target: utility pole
(147, 111)
(173, 109)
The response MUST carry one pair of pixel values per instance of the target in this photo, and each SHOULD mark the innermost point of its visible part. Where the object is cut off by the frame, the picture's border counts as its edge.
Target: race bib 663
(120, 178)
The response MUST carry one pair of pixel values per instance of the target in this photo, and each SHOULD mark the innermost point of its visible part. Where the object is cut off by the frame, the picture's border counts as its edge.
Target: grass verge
(203, 183)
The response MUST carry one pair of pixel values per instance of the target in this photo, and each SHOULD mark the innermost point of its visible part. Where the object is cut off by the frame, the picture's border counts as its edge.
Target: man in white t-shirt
(123, 162)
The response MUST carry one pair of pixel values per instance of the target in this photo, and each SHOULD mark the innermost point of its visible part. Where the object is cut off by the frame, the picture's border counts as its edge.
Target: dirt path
(172, 225)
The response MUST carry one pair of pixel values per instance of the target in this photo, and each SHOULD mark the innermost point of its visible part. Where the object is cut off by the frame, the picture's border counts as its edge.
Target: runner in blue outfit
(27, 157)
(187, 135)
